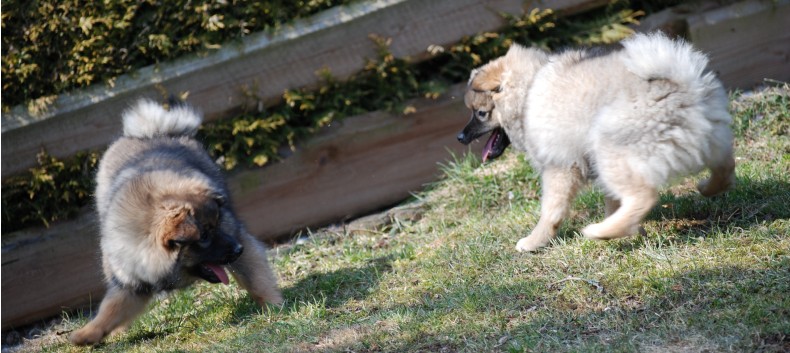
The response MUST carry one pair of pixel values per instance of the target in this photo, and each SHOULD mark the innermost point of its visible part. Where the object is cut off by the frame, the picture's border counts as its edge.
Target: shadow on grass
(329, 289)
(750, 203)
(141, 337)
(729, 308)
(339, 286)
(689, 217)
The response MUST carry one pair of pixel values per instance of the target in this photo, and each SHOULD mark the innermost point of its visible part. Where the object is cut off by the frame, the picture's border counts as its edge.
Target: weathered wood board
(747, 41)
(264, 65)
(47, 270)
(353, 167)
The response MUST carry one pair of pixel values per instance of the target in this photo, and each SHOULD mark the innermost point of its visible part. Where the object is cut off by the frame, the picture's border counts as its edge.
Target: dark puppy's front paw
(87, 336)
(272, 297)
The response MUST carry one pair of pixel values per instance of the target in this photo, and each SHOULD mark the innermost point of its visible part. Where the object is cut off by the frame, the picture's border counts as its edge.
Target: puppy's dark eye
(205, 239)
(174, 244)
(482, 113)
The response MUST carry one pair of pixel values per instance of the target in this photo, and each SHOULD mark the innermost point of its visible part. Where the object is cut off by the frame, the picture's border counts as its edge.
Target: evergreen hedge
(53, 46)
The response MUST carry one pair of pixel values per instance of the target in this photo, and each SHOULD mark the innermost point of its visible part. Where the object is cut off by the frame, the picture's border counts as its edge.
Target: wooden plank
(747, 41)
(265, 64)
(355, 166)
(47, 270)
(674, 20)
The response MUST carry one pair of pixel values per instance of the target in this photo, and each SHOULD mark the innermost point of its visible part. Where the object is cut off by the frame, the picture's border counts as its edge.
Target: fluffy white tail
(653, 56)
(147, 119)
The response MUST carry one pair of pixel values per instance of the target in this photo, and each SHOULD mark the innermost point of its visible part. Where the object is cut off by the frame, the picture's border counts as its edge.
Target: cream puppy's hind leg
(559, 189)
(720, 158)
(634, 197)
(625, 221)
(610, 205)
(722, 173)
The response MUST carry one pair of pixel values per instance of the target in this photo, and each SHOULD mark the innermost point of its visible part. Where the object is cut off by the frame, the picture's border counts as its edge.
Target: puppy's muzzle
(471, 131)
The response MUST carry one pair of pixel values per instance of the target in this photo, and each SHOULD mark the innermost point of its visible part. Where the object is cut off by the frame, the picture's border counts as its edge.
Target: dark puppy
(166, 220)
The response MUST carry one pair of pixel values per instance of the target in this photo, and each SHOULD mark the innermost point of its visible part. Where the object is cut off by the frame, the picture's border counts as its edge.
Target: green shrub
(255, 138)
(53, 46)
(55, 190)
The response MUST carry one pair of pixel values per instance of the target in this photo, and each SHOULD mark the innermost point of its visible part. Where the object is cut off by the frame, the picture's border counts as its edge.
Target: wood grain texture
(263, 65)
(747, 42)
(45, 271)
(355, 166)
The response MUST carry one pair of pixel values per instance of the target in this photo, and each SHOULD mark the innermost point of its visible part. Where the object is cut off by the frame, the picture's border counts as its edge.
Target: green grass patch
(710, 275)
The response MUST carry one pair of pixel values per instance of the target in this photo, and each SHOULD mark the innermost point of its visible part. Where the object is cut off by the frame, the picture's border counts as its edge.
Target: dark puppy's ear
(219, 198)
(177, 225)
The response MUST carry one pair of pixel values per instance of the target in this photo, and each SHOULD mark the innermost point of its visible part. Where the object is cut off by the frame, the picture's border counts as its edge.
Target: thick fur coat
(166, 220)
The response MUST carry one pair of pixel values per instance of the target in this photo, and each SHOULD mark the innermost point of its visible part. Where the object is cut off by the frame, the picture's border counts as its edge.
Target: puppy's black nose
(461, 137)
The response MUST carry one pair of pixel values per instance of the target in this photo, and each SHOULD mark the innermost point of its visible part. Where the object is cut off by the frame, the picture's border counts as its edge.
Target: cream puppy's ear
(488, 78)
(472, 76)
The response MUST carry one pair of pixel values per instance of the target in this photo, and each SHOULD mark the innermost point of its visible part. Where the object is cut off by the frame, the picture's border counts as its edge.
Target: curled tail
(147, 119)
(653, 56)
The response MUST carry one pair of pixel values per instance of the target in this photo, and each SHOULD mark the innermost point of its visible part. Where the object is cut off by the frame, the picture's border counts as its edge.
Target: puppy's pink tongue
(219, 271)
(490, 144)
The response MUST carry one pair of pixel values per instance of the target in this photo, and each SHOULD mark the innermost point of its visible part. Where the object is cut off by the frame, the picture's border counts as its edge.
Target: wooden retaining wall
(747, 42)
(48, 270)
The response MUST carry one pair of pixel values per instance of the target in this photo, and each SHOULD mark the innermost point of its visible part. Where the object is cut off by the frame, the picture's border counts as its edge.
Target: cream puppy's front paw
(595, 231)
(604, 231)
(529, 244)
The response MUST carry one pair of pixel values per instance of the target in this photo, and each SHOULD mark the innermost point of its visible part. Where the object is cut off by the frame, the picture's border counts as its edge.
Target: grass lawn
(711, 274)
